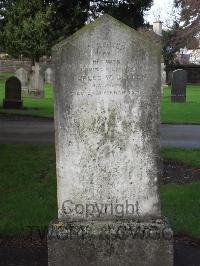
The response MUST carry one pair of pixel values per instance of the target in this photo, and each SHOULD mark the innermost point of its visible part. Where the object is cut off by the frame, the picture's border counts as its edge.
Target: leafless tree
(189, 27)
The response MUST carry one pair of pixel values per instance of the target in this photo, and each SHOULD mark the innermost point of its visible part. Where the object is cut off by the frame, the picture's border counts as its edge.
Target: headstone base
(178, 98)
(12, 104)
(103, 243)
(24, 91)
(35, 94)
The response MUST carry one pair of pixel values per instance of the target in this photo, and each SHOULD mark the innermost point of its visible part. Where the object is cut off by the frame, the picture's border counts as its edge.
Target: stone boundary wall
(193, 73)
(10, 65)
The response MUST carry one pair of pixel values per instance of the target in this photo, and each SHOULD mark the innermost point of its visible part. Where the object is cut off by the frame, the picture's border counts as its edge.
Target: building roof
(152, 36)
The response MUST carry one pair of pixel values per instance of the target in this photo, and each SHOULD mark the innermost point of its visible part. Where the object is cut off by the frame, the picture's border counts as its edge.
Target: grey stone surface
(112, 243)
(107, 135)
(48, 75)
(107, 117)
(36, 83)
(179, 82)
(22, 75)
(12, 94)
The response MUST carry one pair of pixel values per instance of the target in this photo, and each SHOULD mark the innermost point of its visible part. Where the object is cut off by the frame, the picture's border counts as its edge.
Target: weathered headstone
(49, 75)
(179, 83)
(107, 144)
(36, 83)
(22, 75)
(163, 77)
(12, 94)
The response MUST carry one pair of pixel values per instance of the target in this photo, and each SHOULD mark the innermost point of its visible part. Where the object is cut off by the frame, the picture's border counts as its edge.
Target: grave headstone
(22, 75)
(179, 83)
(49, 76)
(163, 77)
(36, 83)
(107, 145)
(12, 94)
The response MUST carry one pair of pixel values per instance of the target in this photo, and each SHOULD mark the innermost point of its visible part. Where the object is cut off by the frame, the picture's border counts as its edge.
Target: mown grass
(28, 187)
(181, 205)
(28, 191)
(190, 157)
(181, 113)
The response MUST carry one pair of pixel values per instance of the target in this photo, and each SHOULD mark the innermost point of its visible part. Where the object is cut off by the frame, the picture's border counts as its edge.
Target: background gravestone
(163, 78)
(36, 83)
(179, 83)
(12, 94)
(48, 76)
(107, 145)
(22, 75)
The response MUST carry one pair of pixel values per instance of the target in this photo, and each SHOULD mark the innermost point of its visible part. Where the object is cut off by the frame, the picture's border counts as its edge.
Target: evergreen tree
(31, 27)
(131, 12)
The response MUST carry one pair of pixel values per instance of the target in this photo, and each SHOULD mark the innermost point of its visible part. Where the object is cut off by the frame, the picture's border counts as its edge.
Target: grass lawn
(181, 113)
(28, 187)
(181, 205)
(34, 107)
(187, 157)
(28, 190)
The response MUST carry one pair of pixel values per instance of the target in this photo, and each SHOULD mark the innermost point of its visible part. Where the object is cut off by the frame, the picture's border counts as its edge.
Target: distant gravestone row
(33, 83)
(179, 82)
(25, 84)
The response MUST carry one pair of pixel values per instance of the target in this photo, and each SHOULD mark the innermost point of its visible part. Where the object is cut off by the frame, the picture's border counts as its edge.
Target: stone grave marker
(22, 75)
(107, 121)
(163, 77)
(12, 94)
(49, 76)
(36, 83)
(179, 83)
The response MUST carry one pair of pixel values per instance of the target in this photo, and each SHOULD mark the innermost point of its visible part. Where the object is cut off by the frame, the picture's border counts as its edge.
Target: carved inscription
(106, 75)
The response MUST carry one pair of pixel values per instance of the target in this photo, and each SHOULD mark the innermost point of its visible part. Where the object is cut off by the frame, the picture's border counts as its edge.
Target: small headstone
(36, 83)
(22, 75)
(12, 94)
(163, 77)
(49, 76)
(179, 83)
(107, 142)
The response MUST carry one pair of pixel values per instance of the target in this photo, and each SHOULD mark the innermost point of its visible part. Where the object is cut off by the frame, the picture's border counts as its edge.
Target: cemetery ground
(181, 113)
(28, 202)
(28, 189)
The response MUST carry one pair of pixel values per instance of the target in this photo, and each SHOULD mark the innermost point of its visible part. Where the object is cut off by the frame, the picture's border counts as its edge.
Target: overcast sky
(161, 10)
